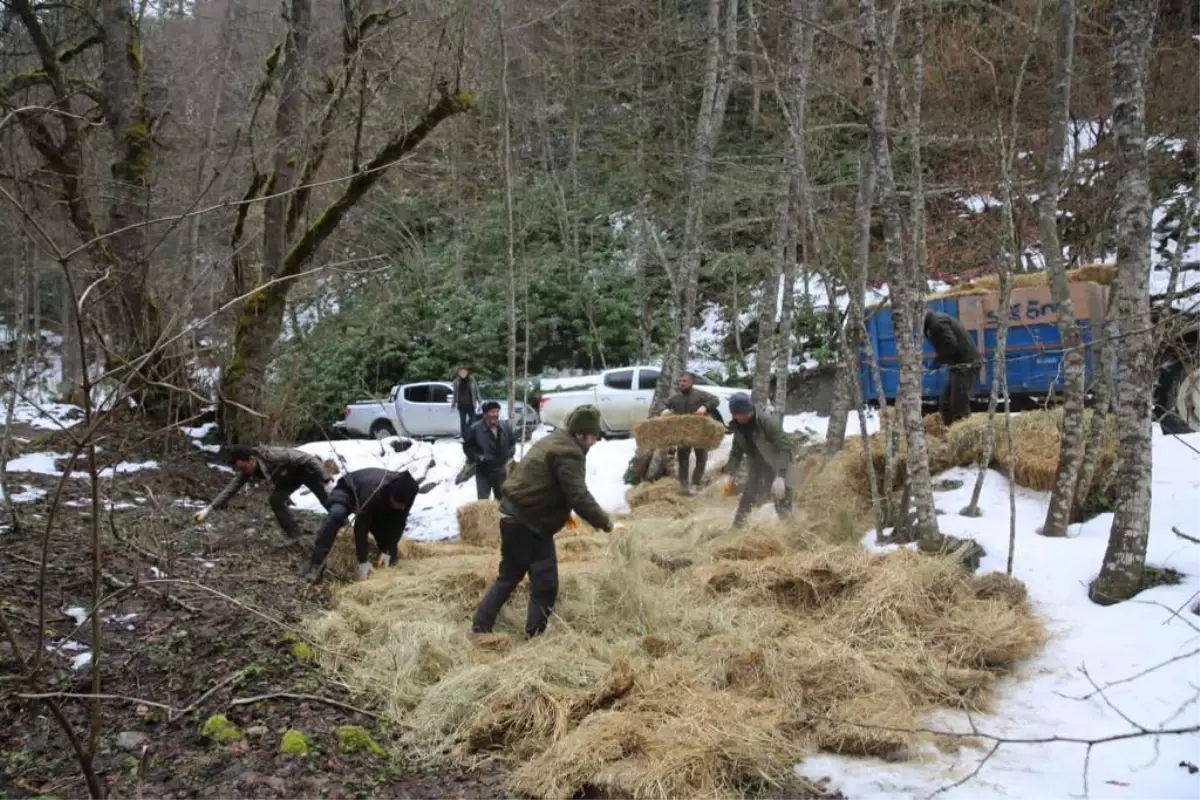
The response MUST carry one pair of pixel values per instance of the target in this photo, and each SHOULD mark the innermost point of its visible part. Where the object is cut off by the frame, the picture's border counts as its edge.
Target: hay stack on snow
(479, 522)
(678, 430)
(678, 677)
(662, 499)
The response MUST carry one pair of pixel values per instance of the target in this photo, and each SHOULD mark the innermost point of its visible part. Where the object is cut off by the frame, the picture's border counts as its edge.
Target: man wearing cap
(690, 400)
(545, 487)
(380, 502)
(758, 436)
(489, 445)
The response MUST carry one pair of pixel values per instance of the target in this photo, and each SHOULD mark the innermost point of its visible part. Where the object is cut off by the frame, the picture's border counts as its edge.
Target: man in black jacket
(464, 398)
(380, 502)
(284, 468)
(489, 446)
(953, 347)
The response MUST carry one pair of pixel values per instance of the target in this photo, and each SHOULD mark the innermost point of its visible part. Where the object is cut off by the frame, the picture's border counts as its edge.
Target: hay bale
(479, 522)
(1091, 273)
(341, 563)
(998, 586)
(666, 490)
(678, 430)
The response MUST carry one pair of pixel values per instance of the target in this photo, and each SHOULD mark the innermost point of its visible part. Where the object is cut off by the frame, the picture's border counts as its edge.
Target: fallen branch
(120, 583)
(81, 696)
(200, 700)
(245, 701)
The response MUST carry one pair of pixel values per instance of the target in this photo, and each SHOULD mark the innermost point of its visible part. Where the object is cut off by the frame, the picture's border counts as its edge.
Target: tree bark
(904, 274)
(1123, 568)
(510, 262)
(1058, 516)
(709, 121)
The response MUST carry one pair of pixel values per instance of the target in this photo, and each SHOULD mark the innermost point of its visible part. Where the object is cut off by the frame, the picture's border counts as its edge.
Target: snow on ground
(46, 464)
(1114, 644)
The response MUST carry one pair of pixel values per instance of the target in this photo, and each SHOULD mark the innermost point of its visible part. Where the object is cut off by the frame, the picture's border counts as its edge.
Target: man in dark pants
(489, 445)
(380, 501)
(690, 400)
(953, 347)
(758, 436)
(286, 470)
(464, 398)
(544, 488)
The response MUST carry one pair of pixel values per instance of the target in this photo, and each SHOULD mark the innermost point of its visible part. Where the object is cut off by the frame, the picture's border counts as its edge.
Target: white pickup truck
(623, 397)
(418, 410)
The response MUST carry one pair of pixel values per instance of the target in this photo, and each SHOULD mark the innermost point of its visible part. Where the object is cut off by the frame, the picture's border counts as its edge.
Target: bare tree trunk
(510, 263)
(904, 274)
(1058, 516)
(1122, 571)
(709, 121)
(1101, 403)
(850, 336)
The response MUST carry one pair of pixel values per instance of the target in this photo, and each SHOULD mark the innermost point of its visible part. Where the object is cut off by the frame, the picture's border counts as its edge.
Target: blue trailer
(1034, 348)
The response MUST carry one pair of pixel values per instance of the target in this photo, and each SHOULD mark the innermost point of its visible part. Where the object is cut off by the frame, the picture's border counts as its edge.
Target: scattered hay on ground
(1092, 273)
(678, 430)
(696, 680)
(479, 522)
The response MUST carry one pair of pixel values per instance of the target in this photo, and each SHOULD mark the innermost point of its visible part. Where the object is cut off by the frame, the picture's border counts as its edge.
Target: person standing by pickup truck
(464, 398)
(759, 436)
(690, 400)
(284, 468)
(546, 486)
(380, 502)
(489, 445)
(953, 347)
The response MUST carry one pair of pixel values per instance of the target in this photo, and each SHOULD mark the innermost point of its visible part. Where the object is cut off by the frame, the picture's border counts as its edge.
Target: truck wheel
(1178, 397)
(382, 429)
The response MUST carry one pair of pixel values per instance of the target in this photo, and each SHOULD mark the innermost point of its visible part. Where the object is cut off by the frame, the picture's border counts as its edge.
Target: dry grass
(835, 496)
(658, 433)
(479, 522)
(1092, 273)
(685, 660)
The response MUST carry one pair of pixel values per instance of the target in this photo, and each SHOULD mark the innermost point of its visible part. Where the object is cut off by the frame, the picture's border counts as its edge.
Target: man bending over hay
(544, 488)
(690, 400)
(760, 437)
(380, 502)
(284, 468)
(953, 347)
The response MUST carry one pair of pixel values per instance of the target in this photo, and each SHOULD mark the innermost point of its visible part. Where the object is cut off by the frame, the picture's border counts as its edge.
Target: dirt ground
(195, 623)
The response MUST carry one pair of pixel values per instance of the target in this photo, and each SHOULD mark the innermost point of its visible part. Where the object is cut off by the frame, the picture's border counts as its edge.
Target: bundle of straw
(658, 433)
(479, 522)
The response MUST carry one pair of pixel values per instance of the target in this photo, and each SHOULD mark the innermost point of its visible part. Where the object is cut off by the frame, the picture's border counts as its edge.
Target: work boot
(364, 571)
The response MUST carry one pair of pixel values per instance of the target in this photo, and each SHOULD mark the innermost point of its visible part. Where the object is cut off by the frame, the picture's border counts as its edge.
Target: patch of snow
(1051, 696)
(82, 660)
(28, 494)
(38, 463)
(978, 203)
(77, 613)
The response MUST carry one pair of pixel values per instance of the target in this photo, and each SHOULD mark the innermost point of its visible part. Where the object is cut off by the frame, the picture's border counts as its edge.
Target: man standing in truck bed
(690, 400)
(464, 399)
(284, 468)
(545, 487)
(952, 346)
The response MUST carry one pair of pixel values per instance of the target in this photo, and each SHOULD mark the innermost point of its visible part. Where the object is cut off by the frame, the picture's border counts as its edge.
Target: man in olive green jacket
(690, 400)
(537, 500)
(760, 437)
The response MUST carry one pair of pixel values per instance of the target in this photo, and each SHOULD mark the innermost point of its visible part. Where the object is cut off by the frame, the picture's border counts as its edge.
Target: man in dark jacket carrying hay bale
(380, 502)
(545, 487)
(489, 446)
(760, 437)
(690, 400)
(953, 347)
(284, 468)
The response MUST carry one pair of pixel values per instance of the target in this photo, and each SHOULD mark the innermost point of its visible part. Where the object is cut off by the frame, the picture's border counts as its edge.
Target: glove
(572, 523)
(383, 561)
(618, 527)
(666, 412)
(201, 515)
(364, 571)
(702, 411)
(727, 487)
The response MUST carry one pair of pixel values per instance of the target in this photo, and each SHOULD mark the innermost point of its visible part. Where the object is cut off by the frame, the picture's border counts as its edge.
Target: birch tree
(1122, 570)
(722, 48)
(1062, 499)
(904, 274)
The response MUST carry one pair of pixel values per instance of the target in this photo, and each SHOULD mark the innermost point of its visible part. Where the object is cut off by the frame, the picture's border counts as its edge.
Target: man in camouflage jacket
(758, 436)
(284, 468)
(690, 400)
(544, 488)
